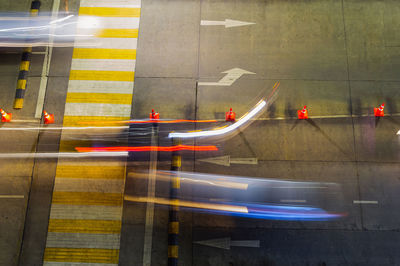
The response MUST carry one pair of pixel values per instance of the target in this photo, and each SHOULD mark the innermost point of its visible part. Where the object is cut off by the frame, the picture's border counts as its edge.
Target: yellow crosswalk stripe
(84, 226)
(101, 75)
(116, 98)
(84, 255)
(90, 172)
(87, 198)
(109, 12)
(93, 121)
(101, 53)
(118, 33)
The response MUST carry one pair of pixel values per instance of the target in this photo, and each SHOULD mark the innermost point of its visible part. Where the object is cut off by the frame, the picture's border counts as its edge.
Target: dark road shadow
(295, 124)
(377, 119)
(311, 122)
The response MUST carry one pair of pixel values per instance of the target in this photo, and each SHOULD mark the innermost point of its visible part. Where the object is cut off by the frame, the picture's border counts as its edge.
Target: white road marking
(293, 201)
(106, 43)
(96, 86)
(78, 212)
(108, 3)
(231, 76)
(151, 191)
(46, 64)
(227, 243)
(89, 22)
(12, 196)
(77, 240)
(365, 202)
(97, 109)
(103, 64)
(63, 155)
(228, 23)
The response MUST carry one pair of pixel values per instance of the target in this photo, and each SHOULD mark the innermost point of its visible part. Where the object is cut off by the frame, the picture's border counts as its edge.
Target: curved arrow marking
(231, 76)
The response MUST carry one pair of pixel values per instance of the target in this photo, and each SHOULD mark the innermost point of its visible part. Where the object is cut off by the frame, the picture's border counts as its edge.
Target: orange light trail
(147, 148)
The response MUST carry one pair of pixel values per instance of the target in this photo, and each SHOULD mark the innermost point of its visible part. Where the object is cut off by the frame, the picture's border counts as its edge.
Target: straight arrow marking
(226, 160)
(227, 243)
(231, 76)
(228, 23)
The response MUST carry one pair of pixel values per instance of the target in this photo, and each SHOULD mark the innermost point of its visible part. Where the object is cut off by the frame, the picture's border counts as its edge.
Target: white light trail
(63, 155)
(221, 131)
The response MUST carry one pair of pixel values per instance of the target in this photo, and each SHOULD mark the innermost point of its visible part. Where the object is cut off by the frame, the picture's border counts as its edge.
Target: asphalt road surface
(339, 58)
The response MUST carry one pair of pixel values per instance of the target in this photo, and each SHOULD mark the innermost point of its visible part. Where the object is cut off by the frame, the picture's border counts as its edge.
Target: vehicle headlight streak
(259, 106)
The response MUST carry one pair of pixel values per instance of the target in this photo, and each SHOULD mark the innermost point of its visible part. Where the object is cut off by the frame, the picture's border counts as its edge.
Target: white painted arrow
(231, 76)
(227, 243)
(228, 23)
(226, 160)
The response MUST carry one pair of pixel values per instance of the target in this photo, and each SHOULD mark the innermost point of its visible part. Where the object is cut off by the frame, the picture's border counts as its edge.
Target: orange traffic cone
(5, 117)
(379, 111)
(302, 114)
(230, 116)
(48, 118)
(154, 115)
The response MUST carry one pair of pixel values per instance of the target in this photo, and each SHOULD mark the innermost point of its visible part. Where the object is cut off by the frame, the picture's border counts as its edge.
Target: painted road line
(102, 75)
(95, 121)
(88, 23)
(118, 33)
(81, 212)
(89, 185)
(293, 201)
(151, 191)
(102, 53)
(109, 12)
(114, 3)
(97, 109)
(103, 65)
(12, 196)
(95, 86)
(107, 43)
(76, 155)
(81, 255)
(54, 263)
(111, 98)
(365, 202)
(228, 23)
(77, 240)
(84, 226)
(227, 243)
(231, 76)
(91, 172)
(46, 128)
(87, 198)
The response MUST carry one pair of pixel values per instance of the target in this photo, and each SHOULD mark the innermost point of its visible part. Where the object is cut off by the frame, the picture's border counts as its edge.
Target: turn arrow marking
(231, 76)
(227, 243)
(228, 23)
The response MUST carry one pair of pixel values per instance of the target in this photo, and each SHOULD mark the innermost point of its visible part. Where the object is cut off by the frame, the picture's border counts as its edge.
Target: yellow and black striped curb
(173, 223)
(25, 65)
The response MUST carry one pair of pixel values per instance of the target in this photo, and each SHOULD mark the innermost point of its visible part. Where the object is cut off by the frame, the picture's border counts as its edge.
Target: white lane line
(76, 240)
(97, 109)
(12, 196)
(106, 43)
(88, 22)
(89, 185)
(25, 121)
(64, 155)
(95, 86)
(108, 3)
(293, 201)
(365, 202)
(103, 64)
(78, 212)
(151, 192)
(46, 64)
